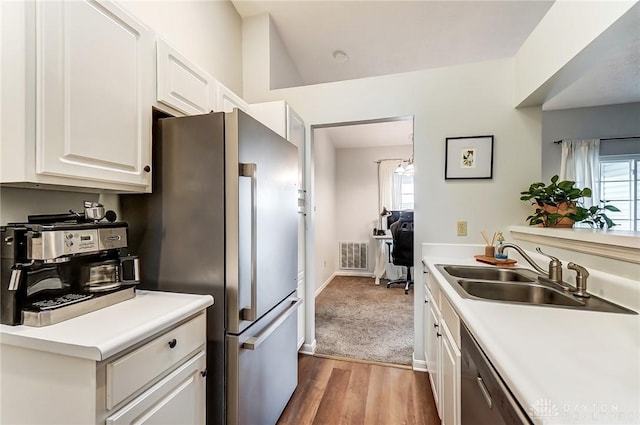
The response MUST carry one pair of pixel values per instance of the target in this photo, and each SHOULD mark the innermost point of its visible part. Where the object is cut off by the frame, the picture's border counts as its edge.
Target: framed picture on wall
(468, 158)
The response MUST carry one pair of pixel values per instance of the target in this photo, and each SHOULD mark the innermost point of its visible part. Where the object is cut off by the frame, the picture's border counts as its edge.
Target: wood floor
(337, 392)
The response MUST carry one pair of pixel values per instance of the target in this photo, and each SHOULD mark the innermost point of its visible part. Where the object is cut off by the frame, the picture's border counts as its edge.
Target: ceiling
(388, 37)
(393, 36)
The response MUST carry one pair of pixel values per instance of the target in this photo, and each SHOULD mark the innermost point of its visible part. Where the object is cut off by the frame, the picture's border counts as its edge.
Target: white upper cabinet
(181, 84)
(226, 100)
(89, 76)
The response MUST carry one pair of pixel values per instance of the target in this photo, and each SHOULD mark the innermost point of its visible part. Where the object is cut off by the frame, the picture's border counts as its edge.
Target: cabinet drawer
(177, 399)
(136, 369)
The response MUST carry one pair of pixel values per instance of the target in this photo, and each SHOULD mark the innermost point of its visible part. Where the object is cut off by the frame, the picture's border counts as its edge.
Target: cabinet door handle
(147, 168)
(203, 373)
(435, 325)
(173, 343)
(438, 334)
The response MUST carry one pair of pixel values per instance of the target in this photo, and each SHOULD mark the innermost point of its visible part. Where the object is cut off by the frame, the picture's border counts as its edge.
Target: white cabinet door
(179, 398)
(433, 350)
(450, 393)
(94, 89)
(181, 84)
(226, 100)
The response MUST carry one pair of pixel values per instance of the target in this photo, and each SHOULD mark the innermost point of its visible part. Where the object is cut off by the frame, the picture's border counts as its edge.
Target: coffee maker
(59, 266)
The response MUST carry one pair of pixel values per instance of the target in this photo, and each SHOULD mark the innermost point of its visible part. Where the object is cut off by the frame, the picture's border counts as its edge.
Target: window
(406, 192)
(619, 181)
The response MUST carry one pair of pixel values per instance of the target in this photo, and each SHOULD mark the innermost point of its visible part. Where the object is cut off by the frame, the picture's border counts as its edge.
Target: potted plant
(559, 204)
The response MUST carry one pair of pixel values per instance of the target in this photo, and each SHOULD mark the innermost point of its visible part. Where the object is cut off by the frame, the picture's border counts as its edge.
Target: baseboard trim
(324, 285)
(308, 349)
(352, 273)
(419, 365)
(342, 273)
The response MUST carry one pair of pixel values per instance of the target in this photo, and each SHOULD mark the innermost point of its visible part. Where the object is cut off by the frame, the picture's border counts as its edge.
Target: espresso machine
(58, 266)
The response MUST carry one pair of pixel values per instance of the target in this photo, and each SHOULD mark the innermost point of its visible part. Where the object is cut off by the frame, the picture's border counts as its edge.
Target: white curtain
(580, 163)
(389, 185)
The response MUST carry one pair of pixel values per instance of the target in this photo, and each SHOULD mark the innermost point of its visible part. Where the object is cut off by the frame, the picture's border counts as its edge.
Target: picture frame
(468, 158)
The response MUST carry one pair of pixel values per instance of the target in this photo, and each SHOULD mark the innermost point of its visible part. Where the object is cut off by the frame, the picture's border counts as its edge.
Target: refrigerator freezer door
(261, 219)
(263, 367)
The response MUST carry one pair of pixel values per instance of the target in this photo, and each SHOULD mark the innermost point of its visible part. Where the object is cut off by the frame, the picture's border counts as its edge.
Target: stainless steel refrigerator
(222, 220)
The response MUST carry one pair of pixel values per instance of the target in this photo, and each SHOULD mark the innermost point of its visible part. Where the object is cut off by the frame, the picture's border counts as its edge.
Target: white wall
(324, 207)
(466, 100)
(584, 123)
(283, 71)
(209, 33)
(357, 193)
(570, 27)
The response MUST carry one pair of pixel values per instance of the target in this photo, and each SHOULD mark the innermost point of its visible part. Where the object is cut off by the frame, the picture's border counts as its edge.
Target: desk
(381, 257)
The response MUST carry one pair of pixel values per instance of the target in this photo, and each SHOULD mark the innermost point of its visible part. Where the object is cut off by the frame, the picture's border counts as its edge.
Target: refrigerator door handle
(254, 342)
(249, 313)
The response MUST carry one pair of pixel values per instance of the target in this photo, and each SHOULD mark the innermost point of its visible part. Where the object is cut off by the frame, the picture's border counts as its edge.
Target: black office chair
(402, 253)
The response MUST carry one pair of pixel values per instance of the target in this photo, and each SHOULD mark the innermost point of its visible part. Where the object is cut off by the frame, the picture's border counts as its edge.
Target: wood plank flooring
(334, 392)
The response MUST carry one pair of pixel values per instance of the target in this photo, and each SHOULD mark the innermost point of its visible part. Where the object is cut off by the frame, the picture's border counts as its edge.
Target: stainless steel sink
(519, 293)
(520, 285)
(489, 273)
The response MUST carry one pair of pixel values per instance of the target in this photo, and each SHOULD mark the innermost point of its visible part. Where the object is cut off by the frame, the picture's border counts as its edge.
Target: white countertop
(105, 332)
(564, 366)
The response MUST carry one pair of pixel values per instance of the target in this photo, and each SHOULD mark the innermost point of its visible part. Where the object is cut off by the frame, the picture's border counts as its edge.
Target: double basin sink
(520, 285)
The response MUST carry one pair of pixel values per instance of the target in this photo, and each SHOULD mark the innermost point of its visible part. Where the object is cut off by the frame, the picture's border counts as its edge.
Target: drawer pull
(203, 373)
(173, 343)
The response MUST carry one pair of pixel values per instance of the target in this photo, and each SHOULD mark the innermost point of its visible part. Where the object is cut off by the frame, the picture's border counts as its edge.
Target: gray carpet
(357, 319)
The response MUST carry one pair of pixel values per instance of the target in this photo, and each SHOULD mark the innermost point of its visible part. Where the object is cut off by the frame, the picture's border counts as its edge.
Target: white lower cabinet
(442, 353)
(432, 347)
(176, 399)
(450, 389)
(161, 380)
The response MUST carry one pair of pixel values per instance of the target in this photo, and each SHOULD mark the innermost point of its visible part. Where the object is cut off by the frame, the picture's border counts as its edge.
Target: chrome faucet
(554, 272)
(581, 280)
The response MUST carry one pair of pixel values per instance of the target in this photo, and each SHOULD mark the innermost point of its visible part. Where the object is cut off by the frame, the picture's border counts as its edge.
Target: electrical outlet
(461, 227)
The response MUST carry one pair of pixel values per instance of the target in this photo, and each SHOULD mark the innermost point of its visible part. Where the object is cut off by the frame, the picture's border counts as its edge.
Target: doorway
(345, 211)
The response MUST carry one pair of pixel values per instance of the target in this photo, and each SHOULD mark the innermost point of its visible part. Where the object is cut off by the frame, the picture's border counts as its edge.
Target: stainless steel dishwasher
(485, 399)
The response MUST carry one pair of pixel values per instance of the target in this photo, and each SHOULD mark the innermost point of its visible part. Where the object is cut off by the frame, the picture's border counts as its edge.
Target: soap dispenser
(499, 255)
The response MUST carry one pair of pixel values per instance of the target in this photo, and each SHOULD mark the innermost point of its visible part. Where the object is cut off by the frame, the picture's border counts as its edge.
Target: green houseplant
(560, 204)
